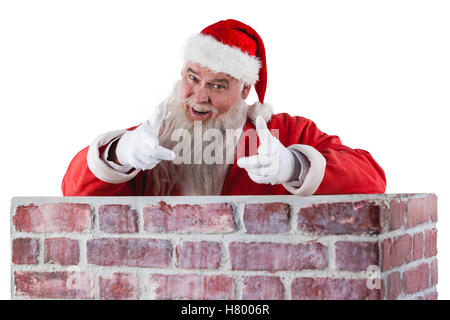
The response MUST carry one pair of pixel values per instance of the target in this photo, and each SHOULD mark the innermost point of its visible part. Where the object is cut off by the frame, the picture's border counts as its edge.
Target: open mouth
(200, 114)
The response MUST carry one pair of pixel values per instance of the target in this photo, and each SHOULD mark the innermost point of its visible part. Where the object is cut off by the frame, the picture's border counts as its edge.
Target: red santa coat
(335, 168)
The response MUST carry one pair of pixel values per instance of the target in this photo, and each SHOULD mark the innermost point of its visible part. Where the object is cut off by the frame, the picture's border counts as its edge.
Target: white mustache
(200, 107)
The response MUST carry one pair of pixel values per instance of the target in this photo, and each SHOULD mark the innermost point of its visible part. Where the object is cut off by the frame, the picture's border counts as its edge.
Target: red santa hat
(231, 47)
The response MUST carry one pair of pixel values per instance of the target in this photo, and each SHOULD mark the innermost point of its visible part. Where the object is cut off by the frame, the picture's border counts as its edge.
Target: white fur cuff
(315, 174)
(99, 167)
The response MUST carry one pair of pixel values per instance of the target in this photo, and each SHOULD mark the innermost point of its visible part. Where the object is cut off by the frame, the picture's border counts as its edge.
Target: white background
(375, 73)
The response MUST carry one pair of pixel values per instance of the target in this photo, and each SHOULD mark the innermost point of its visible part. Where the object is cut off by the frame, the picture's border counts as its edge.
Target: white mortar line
(95, 220)
(410, 231)
(331, 254)
(96, 285)
(416, 295)
(405, 214)
(108, 270)
(424, 242)
(41, 256)
(410, 265)
(234, 236)
(140, 221)
(83, 252)
(387, 216)
(146, 291)
(286, 281)
(238, 214)
(226, 259)
(175, 242)
(293, 218)
(430, 271)
(402, 283)
(142, 284)
(238, 286)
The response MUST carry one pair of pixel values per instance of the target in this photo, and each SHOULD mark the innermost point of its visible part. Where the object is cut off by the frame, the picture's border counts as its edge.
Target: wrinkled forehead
(206, 72)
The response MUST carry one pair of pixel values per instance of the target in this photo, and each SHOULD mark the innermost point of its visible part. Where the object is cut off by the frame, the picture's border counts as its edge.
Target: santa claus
(204, 139)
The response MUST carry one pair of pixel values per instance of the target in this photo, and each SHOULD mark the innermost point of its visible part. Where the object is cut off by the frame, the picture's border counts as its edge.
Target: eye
(192, 77)
(218, 86)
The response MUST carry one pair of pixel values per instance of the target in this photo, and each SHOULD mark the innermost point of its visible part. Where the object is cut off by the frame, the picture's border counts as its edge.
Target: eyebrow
(222, 80)
(190, 70)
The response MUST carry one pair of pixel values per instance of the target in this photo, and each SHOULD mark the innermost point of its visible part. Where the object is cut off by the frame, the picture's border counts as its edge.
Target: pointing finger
(162, 153)
(157, 117)
(252, 162)
(248, 162)
(261, 129)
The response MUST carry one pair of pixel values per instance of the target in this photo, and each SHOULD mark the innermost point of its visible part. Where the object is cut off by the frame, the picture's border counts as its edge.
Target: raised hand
(273, 163)
(140, 148)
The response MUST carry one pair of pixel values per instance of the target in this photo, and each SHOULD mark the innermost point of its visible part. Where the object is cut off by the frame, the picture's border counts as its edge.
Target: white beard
(195, 179)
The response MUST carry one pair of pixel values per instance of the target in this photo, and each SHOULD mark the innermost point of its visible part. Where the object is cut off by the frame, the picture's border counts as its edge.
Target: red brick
(383, 216)
(434, 272)
(382, 291)
(332, 289)
(25, 251)
(114, 218)
(394, 285)
(432, 296)
(430, 243)
(416, 279)
(206, 218)
(266, 218)
(421, 210)
(191, 287)
(418, 245)
(341, 218)
(396, 251)
(199, 255)
(62, 251)
(53, 217)
(120, 286)
(129, 252)
(268, 256)
(434, 202)
(61, 284)
(262, 288)
(356, 256)
(397, 213)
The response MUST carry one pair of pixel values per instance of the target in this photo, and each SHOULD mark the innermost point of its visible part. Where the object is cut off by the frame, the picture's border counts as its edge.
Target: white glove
(273, 163)
(140, 148)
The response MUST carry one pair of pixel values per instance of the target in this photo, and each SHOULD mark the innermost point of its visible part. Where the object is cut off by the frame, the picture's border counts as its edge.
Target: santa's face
(206, 94)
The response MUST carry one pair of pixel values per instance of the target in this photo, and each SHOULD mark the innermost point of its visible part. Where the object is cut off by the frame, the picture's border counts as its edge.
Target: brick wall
(271, 247)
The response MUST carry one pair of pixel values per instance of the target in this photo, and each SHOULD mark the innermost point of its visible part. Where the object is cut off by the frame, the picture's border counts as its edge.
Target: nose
(201, 94)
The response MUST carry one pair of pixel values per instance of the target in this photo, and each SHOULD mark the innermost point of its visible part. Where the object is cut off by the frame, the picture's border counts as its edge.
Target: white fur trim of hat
(207, 51)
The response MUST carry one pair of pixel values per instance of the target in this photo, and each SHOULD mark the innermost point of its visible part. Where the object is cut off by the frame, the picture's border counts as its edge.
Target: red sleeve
(347, 170)
(80, 181)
